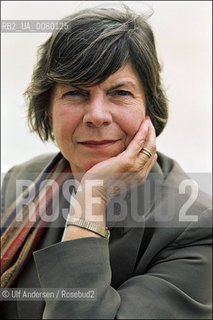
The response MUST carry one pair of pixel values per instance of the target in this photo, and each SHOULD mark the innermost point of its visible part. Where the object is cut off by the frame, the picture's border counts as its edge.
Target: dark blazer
(153, 267)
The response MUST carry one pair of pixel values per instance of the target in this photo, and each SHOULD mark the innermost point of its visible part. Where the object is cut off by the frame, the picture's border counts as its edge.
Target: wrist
(94, 227)
(87, 206)
(94, 188)
(73, 233)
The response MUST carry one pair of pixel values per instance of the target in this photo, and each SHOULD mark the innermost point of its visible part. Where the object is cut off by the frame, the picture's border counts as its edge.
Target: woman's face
(96, 123)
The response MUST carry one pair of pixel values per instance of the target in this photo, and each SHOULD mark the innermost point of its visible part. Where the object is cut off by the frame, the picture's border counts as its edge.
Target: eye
(74, 93)
(122, 93)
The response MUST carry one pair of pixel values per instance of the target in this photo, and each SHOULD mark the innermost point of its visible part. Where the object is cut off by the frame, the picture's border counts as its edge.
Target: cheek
(130, 123)
(64, 124)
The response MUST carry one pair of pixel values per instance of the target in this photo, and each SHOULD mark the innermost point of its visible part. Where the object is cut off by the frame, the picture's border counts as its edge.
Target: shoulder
(177, 181)
(32, 166)
(181, 204)
(28, 170)
(180, 218)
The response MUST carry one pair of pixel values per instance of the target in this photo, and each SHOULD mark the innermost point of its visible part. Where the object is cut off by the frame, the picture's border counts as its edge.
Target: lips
(98, 144)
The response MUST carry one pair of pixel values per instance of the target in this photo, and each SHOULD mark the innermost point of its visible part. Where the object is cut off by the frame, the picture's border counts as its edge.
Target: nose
(97, 113)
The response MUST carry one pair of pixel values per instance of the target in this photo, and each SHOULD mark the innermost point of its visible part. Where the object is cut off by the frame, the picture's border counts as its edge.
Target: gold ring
(147, 152)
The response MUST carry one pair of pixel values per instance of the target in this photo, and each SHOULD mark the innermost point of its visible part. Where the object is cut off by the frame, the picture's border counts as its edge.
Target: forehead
(126, 74)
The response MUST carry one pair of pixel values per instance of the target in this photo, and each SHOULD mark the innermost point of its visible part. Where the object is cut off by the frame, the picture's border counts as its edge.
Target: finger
(150, 142)
(139, 139)
(149, 147)
(148, 166)
(151, 162)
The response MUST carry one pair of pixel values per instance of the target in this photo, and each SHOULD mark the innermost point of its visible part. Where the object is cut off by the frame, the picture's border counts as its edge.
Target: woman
(106, 212)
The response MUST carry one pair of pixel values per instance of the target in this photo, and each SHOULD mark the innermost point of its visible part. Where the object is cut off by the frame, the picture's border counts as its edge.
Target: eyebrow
(112, 87)
(122, 84)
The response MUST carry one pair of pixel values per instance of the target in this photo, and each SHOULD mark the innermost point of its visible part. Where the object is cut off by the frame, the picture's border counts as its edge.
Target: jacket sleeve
(4, 188)
(177, 284)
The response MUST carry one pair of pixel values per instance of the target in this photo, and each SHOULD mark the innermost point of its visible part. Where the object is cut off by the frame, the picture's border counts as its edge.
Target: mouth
(94, 144)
